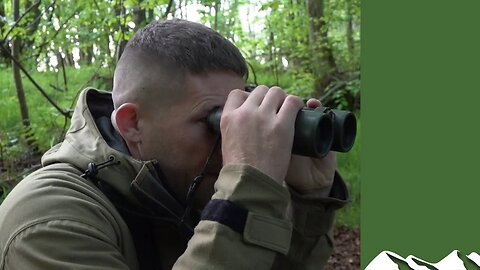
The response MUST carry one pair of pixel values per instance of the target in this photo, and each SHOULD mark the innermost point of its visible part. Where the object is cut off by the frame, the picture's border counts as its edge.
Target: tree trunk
(18, 84)
(271, 47)
(86, 55)
(68, 57)
(2, 15)
(121, 46)
(180, 8)
(16, 71)
(217, 9)
(273, 56)
(323, 64)
(109, 54)
(22, 101)
(3, 56)
(82, 56)
(350, 41)
(120, 14)
(61, 63)
(139, 16)
(151, 16)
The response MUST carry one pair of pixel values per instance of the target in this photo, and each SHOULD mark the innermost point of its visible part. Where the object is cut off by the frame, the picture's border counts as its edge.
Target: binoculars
(317, 131)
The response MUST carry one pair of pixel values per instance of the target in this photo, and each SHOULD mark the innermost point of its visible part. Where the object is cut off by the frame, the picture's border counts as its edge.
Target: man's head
(170, 75)
(167, 51)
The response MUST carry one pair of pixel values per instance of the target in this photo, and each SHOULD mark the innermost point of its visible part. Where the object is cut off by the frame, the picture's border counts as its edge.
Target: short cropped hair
(189, 46)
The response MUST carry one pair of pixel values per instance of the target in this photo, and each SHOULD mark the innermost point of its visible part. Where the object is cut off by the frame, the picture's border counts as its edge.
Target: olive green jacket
(57, 219)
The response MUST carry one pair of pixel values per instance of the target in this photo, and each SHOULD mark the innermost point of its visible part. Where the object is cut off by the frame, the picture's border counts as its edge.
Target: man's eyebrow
(204, 106)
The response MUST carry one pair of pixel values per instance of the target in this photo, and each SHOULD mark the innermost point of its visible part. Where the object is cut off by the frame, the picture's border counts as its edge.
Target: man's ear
(125, 121)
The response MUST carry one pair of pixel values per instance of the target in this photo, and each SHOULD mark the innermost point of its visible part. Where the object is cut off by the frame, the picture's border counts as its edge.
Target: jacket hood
(92, 139)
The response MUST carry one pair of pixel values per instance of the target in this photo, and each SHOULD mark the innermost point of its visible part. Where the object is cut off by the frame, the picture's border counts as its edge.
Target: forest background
(51, 50)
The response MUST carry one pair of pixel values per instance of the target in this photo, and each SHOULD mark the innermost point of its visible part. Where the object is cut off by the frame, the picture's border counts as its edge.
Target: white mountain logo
(386, 261)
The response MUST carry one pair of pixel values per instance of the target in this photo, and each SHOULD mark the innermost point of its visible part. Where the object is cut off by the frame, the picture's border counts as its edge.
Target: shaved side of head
(142, 78)
(153, 66)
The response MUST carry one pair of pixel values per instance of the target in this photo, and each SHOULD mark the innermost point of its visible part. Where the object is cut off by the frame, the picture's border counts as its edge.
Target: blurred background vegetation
(50, 50)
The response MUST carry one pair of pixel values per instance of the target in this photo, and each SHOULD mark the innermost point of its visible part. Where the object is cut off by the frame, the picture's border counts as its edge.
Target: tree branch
(19, 19)
(169, 7)
(41, 46)
(66, 114)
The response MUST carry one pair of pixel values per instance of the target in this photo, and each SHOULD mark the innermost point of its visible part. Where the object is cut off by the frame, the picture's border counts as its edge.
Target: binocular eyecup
(317, 131)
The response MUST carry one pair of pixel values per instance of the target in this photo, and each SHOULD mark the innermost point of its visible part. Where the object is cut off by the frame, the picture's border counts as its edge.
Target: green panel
(421, 128)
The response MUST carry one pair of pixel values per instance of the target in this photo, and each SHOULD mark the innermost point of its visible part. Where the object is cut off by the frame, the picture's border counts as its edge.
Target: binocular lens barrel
(317, 131)
(345, 126)
(313, 133)
(213, 119)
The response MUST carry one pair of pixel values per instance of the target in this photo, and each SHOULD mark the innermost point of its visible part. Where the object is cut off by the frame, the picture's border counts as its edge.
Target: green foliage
(284, 47)
(47, 124)
(346, 94)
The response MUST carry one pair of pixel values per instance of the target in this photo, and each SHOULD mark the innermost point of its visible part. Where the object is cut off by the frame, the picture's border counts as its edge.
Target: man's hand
(257, 129)
(311, 175)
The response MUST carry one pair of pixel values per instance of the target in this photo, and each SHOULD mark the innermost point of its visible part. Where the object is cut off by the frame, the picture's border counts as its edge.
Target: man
(132, 184)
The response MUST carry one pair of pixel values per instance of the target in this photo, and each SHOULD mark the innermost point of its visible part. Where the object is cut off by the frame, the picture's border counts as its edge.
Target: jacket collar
(91, 138)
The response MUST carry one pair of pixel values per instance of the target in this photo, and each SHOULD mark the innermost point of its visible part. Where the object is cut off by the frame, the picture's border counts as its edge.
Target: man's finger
(235, 99)
(273, 99)
(257, 95)
(289, 110)
(313, 103)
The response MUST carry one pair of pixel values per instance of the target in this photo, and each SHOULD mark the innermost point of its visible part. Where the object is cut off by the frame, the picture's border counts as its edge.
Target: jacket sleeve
(313, 219)
(244, 226)
(61, 244)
